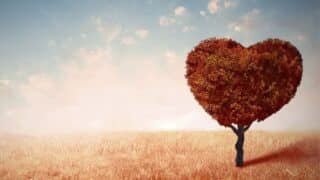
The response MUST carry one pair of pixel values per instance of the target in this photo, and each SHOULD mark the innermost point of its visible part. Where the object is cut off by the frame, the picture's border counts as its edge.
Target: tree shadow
(294, 153)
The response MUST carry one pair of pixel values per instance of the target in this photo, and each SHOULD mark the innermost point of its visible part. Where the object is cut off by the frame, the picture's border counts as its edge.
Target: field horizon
(160, 155)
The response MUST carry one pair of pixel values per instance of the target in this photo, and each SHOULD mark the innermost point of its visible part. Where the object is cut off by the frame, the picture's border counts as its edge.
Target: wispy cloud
(110, 32)
(83, 35)
(171, 56)
(229, 3)
(142, 33)
(95, 94)
(301, 37)
(96, 20)
(213, 6)
(166, 21)
(128, 40)
(203, 13)
(189, 28)
(180, 11)
(246, 22)
(4, 83)
(52, 43)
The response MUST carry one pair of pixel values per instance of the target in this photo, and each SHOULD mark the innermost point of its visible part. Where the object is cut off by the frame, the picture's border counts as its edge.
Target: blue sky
(110, 65)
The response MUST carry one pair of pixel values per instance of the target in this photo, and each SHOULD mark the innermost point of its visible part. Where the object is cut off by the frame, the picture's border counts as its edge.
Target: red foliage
(239, 85)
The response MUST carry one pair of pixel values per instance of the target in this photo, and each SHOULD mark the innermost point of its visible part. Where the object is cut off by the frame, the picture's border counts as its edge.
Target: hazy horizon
(99, 66)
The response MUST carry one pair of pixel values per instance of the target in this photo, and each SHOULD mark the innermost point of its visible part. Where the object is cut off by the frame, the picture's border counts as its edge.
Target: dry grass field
(161, 155)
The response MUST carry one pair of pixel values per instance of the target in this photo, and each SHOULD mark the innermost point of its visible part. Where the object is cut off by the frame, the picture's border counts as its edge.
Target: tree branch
(247, 127)
(233, 129)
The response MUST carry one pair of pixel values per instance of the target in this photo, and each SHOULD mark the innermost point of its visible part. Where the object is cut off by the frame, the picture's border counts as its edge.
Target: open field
(162, 155)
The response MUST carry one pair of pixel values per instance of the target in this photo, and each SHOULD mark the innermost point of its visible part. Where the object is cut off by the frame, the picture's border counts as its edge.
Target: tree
(238, 85)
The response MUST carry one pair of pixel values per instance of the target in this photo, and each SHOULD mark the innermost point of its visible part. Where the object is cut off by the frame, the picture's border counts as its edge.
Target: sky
(88, 65)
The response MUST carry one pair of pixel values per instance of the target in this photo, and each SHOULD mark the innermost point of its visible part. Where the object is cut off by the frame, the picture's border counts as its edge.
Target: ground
(160, 155)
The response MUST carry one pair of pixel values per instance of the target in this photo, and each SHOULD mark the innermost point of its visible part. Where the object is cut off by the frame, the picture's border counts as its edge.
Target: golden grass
(162, 155)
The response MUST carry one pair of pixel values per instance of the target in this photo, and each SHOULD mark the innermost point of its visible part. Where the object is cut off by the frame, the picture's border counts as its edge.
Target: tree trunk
(239, 146)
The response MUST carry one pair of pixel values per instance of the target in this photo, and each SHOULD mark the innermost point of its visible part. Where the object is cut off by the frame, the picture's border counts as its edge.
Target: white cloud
(92, 93)
(246, 22)
(52, 43)
(237, 28)
(96, 20)
(171, 56)
(189, 28)
(234, 26)
(254, 12)
(9, 113)
(166, 21)
(142, 33)
(203, 13)
(110, 32)
(67, 42)
(93, 55)
(169, 20)
(229, 3)
(4, 83)
(83, 35)
(39, 86)
(128, 40)
(180, 11)
(113, 33)
(213, 6)
(301, 37)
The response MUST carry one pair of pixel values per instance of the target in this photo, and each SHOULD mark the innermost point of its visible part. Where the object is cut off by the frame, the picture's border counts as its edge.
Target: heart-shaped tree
(238, 85)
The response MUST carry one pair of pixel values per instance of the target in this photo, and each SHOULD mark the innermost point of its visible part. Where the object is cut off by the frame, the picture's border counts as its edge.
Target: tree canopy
(239, 85)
